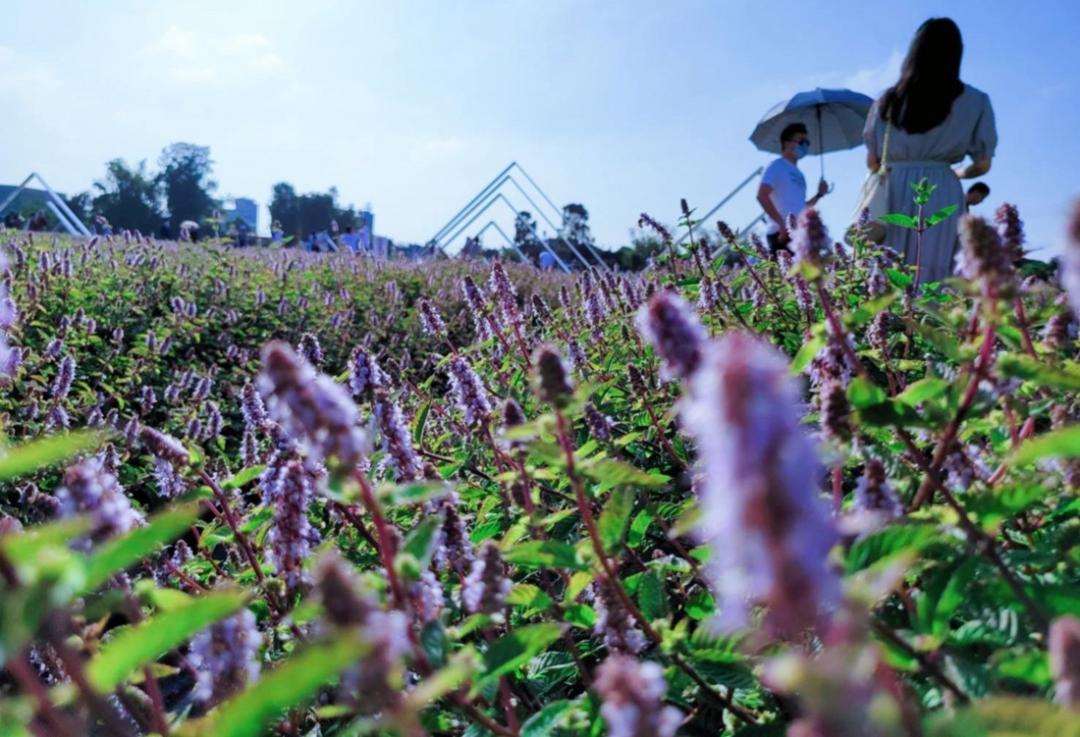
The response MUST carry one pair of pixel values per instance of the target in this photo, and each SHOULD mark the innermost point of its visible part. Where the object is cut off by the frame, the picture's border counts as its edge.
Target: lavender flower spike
(225, 657)
(487, 586)
(770, 534)
(89, 488)
(632, 694)
(430, 319)
(471, 395)
(312, 406)
(1065, 659)
(669, 324)
(1070, 272)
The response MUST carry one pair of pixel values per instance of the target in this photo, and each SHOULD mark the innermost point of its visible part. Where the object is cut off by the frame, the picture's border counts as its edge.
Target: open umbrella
(834, 120)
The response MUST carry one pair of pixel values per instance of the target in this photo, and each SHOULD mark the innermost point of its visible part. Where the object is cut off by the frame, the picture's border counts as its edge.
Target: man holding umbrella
(783, 187)
(832, 119)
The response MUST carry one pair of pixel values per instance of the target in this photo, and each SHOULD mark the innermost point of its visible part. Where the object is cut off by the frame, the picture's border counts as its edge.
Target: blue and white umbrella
(834, 121)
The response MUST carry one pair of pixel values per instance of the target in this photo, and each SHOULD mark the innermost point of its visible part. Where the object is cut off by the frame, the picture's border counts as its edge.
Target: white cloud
(192, 57)
(874, 80)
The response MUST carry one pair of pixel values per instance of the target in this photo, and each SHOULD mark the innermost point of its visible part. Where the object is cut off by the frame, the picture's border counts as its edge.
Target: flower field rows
(258, 491)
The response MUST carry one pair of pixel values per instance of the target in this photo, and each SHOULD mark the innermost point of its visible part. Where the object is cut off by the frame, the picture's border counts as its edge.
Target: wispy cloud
(194, 57)
(874, 79)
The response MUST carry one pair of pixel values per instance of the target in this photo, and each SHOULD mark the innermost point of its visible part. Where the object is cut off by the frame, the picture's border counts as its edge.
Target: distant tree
(301, 214)
(575, 225)
(129, 197)
(82, 204)
(185, 182)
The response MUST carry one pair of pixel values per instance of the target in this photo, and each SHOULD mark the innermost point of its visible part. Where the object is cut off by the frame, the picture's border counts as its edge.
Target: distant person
(976, 194)
(38, 223)
(165, 231)
(242, 232)
(13, 220)
(546, 261)
(277, 233)
(783, 186)
(350, 239)
(103, 226)
(934, 121)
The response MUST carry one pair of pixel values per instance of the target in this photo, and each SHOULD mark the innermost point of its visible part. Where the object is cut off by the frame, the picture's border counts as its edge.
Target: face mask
(802, 149)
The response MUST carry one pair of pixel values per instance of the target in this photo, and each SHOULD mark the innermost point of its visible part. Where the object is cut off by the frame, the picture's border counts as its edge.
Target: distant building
(242, 209)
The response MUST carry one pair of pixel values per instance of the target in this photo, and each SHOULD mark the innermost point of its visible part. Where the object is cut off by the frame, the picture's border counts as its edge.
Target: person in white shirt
(783, 186)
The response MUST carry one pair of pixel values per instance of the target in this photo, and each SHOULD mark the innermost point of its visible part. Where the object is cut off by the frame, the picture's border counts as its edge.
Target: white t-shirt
(788, 189)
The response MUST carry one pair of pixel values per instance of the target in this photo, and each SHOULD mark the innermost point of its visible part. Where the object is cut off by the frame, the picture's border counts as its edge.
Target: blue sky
(624, 106)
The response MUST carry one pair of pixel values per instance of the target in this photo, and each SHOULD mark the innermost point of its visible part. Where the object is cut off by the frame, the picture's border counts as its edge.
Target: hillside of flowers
(266, 492)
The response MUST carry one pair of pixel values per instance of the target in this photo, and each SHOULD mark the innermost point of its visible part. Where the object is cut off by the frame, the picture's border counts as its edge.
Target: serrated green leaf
(157, 635)
(48, 451)
(651, 596)
(900, 219)
(615, 517)
(544, 554)
(547, 721)
(291, 683)
(243, 477)
(114, 556)
(893, 540)
(1063, 443)
(639, 527)
(515, 649)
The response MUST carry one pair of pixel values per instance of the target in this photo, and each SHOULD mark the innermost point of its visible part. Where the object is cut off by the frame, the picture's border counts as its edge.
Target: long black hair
(929, 80)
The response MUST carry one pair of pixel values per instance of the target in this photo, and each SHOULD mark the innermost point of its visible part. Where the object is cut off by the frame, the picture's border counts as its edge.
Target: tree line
(183, 188)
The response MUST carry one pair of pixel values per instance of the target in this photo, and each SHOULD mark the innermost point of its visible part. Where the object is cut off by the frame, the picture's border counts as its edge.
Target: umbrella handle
(820, 140)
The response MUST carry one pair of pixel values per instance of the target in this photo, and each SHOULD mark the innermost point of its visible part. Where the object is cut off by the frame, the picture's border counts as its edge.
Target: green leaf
(615, 517)
(545, 722)
(922, 391)
(1063, 443)
(515, 649)
(636, 536)
(116, 555)
(651, 596)
(292, 683)
(26, 547)
(898, 218)
(898, 278)
(157, 635)
(544, 554)
(243, 477)
(44, 452)
(806, 354)
(1027, 368)
(1006, 716)
(611, 472)
(420, 423)
(700, 605)
(863, 393)
(529, 597)
(952, 596)
(421, 541)
(941, 215)
(893, 540)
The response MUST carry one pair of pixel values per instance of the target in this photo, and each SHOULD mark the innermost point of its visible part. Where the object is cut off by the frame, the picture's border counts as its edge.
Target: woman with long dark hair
(923, 126)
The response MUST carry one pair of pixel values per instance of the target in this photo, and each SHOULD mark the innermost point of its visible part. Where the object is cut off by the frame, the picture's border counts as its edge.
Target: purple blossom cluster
(225, 657)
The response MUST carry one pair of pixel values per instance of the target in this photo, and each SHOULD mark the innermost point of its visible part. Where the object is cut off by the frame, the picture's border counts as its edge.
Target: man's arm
(822, 190)
(764, 198)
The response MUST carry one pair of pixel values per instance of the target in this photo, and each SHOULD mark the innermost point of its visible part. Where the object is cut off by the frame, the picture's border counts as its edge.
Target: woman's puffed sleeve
(984, 138)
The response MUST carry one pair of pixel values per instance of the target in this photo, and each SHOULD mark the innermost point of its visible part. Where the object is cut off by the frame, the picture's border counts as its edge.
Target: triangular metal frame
(71, 222)
(453, 229)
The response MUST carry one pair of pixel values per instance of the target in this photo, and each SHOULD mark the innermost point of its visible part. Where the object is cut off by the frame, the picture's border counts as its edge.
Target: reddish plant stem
(926, 489)
(386, 545)
(661, 435)
(838, 331)
(982, 542)
(929, 666)
(1021, 319)
(719, 699)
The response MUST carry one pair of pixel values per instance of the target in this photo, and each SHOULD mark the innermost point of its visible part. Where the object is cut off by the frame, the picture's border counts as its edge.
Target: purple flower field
(261, 491)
